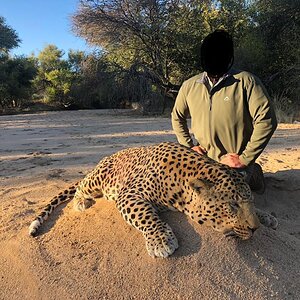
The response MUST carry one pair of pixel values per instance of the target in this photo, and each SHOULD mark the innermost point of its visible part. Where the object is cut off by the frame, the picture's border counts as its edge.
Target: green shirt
(235, 116)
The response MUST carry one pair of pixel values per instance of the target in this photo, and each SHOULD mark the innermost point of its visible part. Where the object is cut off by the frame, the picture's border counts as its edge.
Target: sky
(42, 22)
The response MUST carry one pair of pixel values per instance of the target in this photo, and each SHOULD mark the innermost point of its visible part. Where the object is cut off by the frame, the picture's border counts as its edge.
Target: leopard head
(225, 205)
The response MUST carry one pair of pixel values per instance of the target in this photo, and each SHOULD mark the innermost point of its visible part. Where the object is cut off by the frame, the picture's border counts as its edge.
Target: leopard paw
(268, 220)
(83, 204)
(273, 222)
(162, 243)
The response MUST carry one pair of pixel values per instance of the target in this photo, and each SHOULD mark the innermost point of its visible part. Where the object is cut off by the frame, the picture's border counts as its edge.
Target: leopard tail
(62, 197)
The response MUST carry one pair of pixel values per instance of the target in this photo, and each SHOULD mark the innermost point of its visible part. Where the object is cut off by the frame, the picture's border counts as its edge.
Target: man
(232, 118)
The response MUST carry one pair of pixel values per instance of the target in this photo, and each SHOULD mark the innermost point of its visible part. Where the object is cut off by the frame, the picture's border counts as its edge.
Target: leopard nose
(252, 229)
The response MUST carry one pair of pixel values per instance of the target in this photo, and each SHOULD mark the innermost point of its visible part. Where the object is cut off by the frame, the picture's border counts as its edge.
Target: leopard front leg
(266, 219)
(160, 239)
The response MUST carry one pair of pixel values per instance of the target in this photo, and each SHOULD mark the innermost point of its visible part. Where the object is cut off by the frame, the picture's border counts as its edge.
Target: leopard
(144, 181)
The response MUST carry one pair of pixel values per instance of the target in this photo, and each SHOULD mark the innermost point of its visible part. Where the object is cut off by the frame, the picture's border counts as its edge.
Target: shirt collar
(205, 79)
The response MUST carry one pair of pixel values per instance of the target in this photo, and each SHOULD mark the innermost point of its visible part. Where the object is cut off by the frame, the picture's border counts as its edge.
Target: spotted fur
(141, 180)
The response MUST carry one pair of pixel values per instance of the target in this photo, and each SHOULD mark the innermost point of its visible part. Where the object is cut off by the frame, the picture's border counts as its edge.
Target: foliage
(59, 84)
(16, 75)
(133, 32)
(98, 84)
(75, 60)
(147, 48)
(8, 37)
(271, 49)
(51, 58)
(56, 75)
(160, 40)
(284, 108)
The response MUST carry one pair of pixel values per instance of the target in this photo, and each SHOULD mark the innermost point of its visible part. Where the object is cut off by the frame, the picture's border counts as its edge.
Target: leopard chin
(237, 233)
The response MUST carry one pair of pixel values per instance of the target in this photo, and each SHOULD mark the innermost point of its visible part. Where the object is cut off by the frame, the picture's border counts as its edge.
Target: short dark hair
(217, 52)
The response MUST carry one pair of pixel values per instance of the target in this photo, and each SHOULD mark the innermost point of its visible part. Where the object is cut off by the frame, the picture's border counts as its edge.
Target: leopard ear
(200, 185)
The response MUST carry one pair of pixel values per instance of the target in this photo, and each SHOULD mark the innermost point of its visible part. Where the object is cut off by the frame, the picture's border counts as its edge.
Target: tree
(76, 60)
(55, 76)
(17, 73)
(279, 24)
(157, 39)
(8, 37)
(51, 58)
(98, 82)
(276, 25)
(16, 77)
(142, 33)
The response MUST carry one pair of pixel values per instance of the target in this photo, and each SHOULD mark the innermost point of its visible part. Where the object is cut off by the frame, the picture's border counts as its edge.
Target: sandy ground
(96, 255)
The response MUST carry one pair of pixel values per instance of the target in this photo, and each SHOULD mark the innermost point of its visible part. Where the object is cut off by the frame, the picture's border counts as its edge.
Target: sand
(96, 255)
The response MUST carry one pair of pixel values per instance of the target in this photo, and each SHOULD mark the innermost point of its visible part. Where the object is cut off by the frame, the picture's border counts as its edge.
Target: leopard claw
(83, 204)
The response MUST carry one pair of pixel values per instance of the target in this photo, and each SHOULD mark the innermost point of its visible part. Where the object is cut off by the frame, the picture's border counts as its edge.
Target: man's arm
(180, 114)
(264, 121)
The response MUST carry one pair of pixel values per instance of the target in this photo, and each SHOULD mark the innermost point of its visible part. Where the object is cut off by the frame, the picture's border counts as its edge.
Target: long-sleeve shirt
(234, 116)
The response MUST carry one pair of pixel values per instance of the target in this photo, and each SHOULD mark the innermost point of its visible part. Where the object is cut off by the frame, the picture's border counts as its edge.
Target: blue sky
(42, 22)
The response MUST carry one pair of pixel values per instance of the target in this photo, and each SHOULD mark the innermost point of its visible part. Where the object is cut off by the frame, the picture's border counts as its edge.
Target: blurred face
(217, 54)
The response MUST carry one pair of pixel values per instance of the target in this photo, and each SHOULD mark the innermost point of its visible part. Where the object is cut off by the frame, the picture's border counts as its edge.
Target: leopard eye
(236, 198)
(234, 206)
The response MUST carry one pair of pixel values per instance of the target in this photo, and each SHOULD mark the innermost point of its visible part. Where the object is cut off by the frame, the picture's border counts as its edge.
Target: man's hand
(199, 149)
(232, 160)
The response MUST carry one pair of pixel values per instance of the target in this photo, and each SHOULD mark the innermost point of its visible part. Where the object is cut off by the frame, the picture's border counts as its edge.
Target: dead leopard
(173, 176)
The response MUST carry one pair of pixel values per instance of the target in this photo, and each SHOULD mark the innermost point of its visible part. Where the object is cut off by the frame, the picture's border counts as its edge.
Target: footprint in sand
(41, 161)
(281, 184)
(55, 173)
(37, 153)
(40, 158)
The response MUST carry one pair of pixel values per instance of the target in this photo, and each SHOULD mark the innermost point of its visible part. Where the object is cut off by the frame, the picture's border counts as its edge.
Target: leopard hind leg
(87, 191)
